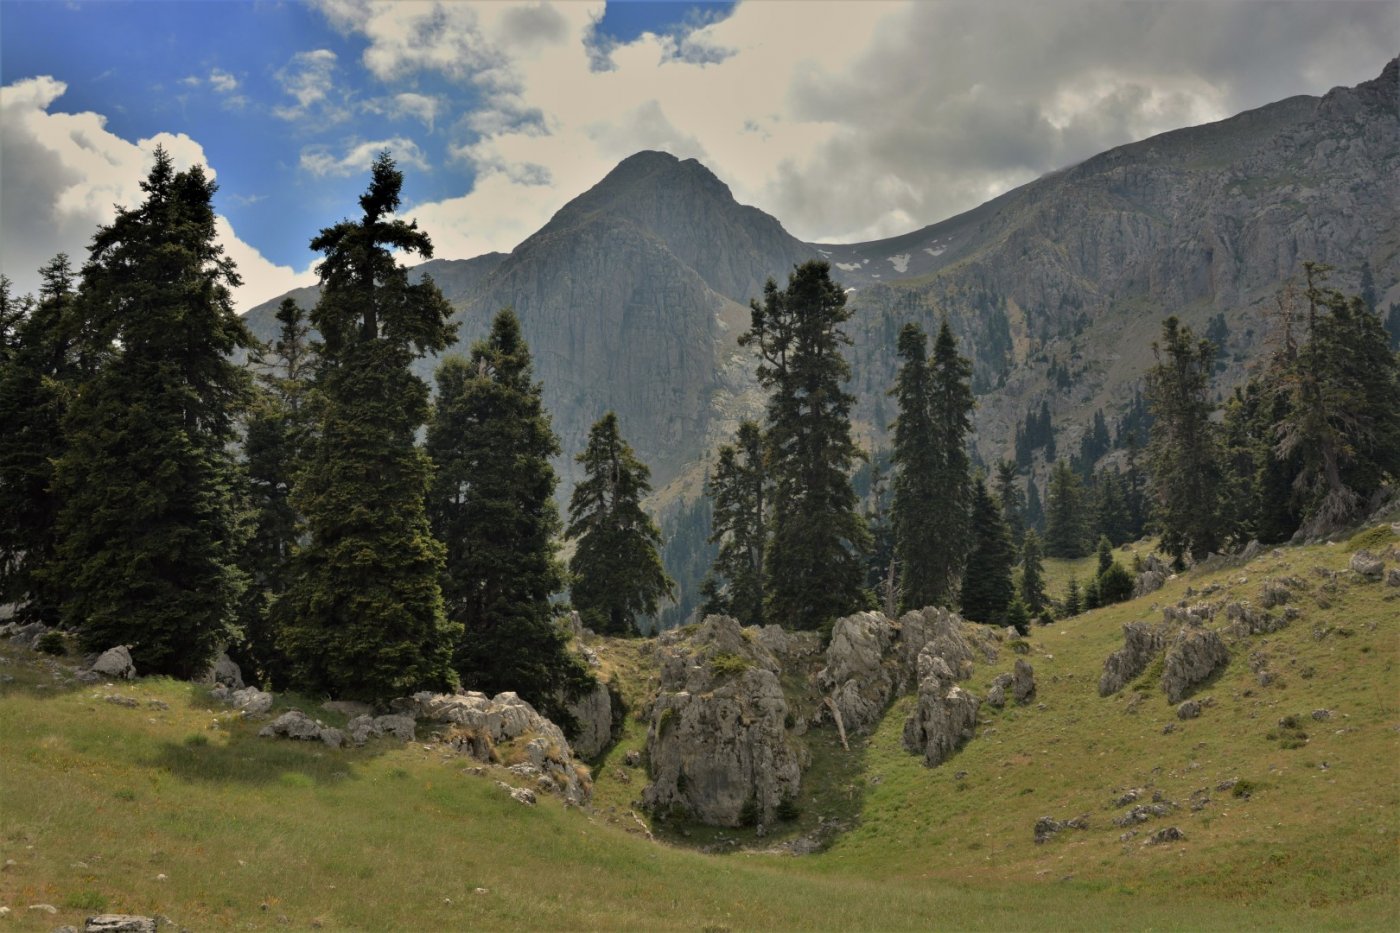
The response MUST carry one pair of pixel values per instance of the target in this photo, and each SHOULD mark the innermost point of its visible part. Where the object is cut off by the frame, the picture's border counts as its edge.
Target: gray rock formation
(294, 724)
(1169, 834)
(593, 711)
(946, 715)
(119, 923)
(1189, 709)
(482, 727)
(224, 671)
(1141, 643)
(996, 694)
(1392, 576)
(115, 663)
(1046, 827)
(1245, 620)
(860, 675)
(25, 636)
(1367, 565)
(1023, 682)
(717, 746)
(364, 727)
(1154, 576)
(1274, 593)
(1192, 658)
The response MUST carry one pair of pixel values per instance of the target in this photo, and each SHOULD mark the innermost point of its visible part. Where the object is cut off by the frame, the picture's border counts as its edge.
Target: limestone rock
(593, 711)
(1141, 643)
(1192, 658)
(717, 745)
(480, 726)
(251, 700)
(224, 671)
(996, 694)
(1023, 682)
(1155, 573)
(1392, 577)
(115, 663)
(860, 675)
(1274, 593)
(1366, 564)
(1245, 620)
(294, 724)
(26, 636)
(1046, 827)
(365, 727)
(1189, 709)
(946, 715)
(119, 923)
(1170, 834)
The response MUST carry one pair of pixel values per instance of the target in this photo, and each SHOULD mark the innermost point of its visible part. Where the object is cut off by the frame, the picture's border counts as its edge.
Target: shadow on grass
(248, 759)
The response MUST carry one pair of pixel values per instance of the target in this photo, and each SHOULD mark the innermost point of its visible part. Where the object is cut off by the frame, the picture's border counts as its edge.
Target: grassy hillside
(175, 807)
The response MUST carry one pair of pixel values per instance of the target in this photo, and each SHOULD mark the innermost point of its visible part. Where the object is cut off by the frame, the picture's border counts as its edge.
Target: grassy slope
(97, 801)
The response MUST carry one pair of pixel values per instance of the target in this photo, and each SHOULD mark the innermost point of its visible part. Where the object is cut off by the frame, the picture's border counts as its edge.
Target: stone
(1274, 593)
(1193, 658)
(593, 712)
(717, 744)
(1392, 576)
(224, 671)
(1322, 715)
(1142, 813)
(115, 663)
(1141, 643)
(1189, 709)
(633, 759)
(364, 727)
(860, 675)
(293, 724)
(117, 700)
(25, 636)
(996, 694)
(523, 795)
(1023, 682)
(1367, 565)
(945, 717)
(119, 923)
(251, 700)
(1046, 827)
(1245, 620)
(1129, 796)
(1154, 575)
(1169, 834)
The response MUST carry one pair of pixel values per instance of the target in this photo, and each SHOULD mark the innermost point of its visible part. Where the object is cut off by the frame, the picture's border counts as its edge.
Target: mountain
(633, 294)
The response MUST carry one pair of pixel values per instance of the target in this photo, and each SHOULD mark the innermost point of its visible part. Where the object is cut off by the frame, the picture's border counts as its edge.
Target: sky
(848, 121)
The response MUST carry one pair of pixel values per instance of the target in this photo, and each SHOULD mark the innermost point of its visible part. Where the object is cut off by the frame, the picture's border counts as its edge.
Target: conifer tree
(12, 312)
(986, 583)
(617, 573)
(491, 504)
(1013, 506)
(1074, 599)
(952, 419)
(1064, 522)
(1032, 574)
(363, 615)
(277, 434)
(816, 560)
(1035, 510)
(148, 529)
(1017, 616)
(36, 383)
(738, 489)
(1184, 455)
(922, 575)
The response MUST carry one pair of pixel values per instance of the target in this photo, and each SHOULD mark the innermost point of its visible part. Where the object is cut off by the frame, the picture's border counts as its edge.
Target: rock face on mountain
(718, 745)
(946, 715)
(1141, 643)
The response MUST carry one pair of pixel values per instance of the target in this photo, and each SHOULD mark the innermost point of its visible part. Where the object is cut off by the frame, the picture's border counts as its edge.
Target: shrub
(788, 810)
(729, 665)
(51, 643)
(748, 816)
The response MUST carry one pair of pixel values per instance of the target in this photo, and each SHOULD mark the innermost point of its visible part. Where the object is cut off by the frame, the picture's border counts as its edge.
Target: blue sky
(848, 121)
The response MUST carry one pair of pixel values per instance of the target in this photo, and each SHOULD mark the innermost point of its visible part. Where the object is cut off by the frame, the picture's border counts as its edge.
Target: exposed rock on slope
(1141, 643)
(1192, 658)
(946, 715)
(718, 745)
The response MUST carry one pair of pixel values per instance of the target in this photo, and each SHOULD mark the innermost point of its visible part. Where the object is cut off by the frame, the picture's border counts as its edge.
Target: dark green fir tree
(363, 617)
(148, 529)
(1032, 574)
(616, 570)
(816, 561)
(738, 489)
(1065, 530)
(986, 584)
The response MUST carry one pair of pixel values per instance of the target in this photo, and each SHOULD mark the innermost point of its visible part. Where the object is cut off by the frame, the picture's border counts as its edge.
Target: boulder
(1392, 577)
(1367, 565)
(717, 746)
(115, 663)
(1154, 575)
(860, 674)
(1182, 614)
(946, 715)
(1141, 643)
(224, 671)
(1023, 682)
(593, 713)
(996, 695)
(294, 724)
(1195, 656)
(1170, 834)
(1245, 620)
(504, 726)
(25, 636)
(251, 700)
(1189, 709)
(364, 727)
(1274, 593)
(119, 923)
(1046, 826)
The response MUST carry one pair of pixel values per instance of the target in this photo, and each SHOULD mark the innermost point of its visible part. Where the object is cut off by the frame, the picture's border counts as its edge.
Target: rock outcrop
(1023, 682)
(294, 724)
(593, 713)
(1141, 643)
(717, 747)
(224, 671)
(1246, 620)
(1154, 575)
(860, 676)
(250, 700)
(946, 715)
(1367, 565)
(1192, 658)
(119, 923)
(364, 727)
(116, 663)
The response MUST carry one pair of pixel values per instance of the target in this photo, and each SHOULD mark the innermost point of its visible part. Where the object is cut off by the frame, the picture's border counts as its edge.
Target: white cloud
(309, 79)
(61, 175)
(422, 107)
(222, 81)
(865, 120)
(358, 156)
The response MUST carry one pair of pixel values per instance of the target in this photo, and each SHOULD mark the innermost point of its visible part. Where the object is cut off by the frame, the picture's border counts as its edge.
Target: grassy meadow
(175, 807)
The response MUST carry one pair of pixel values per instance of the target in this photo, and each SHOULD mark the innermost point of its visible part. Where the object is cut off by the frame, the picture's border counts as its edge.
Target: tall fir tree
(617, 573)
(951, 406)
(1184, 450)
(491, 504)
(818, 544)
(12, 313)
(921, 573)
(738, 489)
(986, 584)
(1013, 503)
(1035, 509)
(36, 384)
(1065, 527)
(148, 528)
(1032, 574)
(363, 617)
(277, 433)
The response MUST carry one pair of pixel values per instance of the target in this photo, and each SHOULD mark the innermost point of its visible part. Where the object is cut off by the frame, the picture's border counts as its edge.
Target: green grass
(98, 801)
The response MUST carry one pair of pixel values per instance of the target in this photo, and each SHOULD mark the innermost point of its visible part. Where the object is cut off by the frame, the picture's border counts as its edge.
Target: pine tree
(1032, 574)
(363, 615)
(816, 560)
(12, 313)
(1184, 455)
(1074, 599)
(277, 434)
(1013, 506)
(1035, 511)
(148, 531)
(1064, 523)
(916, 458)
(491, 504)
(952, 525)
(1017, 616)
(986, 584)
(738, 489)
(616, 571)
(36, 383)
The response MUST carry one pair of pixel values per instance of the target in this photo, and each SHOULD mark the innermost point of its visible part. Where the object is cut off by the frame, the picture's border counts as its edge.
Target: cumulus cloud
(62, 175)
(309, 79)
(422, 107)
(358, 156)
(222, 81)
(867, 120)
